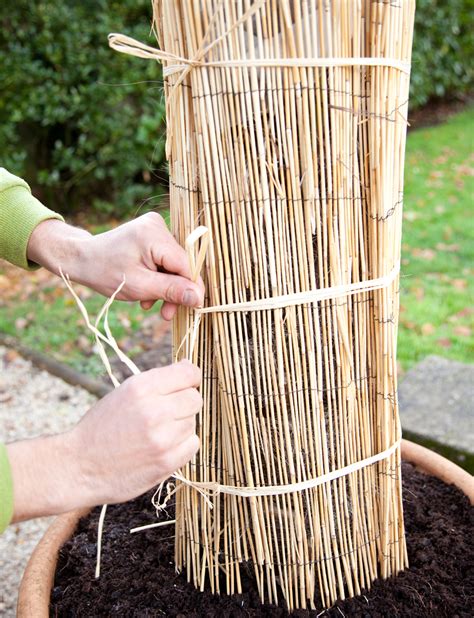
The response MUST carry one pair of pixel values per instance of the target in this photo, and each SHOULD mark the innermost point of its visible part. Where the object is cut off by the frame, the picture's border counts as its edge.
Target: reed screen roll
(286, 139)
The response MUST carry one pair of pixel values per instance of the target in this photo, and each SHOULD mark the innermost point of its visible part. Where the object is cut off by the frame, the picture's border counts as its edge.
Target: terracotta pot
(35, 589)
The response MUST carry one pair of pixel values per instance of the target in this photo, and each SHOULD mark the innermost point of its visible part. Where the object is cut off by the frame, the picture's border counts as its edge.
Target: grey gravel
(437, 402)
(32, 403)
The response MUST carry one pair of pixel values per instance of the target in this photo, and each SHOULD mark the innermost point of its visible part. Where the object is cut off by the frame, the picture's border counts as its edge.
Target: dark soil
(138, 577)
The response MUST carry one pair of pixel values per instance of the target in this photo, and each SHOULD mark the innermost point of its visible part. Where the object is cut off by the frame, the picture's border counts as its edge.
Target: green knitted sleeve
(20, 213)
(6, 490)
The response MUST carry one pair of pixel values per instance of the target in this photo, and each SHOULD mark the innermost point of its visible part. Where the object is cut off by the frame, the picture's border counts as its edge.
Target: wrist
(57, 245)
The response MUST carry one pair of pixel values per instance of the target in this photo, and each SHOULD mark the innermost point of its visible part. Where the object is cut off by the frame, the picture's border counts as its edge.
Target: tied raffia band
(132, 47)
(303, 298)
(180, 66)
(201, 234)
(277, 490)
(278, 302)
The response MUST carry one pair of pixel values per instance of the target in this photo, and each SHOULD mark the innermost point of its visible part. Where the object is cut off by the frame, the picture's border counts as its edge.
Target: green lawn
(57, 328)
(438, 243)
(437, 267)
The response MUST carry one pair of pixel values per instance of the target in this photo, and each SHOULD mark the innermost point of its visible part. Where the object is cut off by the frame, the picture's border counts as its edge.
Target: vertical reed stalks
(297, 171)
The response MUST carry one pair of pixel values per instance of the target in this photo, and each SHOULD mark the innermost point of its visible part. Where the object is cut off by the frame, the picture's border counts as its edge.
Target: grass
(437, 267)
(56, 327)
(438, 243)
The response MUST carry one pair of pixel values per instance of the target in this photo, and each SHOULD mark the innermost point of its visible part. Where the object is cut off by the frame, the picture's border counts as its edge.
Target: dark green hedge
(82, 123)
(85, 125)
(443, 50)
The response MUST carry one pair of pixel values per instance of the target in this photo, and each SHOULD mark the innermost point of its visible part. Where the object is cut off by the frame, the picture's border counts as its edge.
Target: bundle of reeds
(286, 137)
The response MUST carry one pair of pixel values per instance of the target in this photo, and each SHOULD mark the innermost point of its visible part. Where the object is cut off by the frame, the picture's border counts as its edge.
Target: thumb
(173, 289)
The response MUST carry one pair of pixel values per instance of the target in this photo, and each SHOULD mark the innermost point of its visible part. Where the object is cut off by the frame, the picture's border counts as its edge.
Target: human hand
(140, 433)
(155, 266)
(128, 442)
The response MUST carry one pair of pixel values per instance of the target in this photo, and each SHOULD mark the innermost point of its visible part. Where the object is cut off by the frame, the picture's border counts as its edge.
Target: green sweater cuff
(6, 489)
(20, 213)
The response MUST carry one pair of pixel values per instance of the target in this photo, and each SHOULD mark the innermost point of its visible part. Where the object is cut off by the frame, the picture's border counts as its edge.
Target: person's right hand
(135, 437)
(140, 433)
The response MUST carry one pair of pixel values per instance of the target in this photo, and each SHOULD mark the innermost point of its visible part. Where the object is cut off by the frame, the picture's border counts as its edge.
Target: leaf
(447, 233)
(428, 329)
(424, 254)
(462, 331)
(444, 342)
(10, 356)
(465, 313)
(124, 320)
(21, 323)
(418, 292)
(464, 170)
(441, 246)
(84, 343)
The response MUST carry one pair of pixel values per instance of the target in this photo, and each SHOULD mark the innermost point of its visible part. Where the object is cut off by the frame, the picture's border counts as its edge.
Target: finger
(168, 311)
(167, 380)
(183, 453)
(168, 437)
(172, 288)
(179, 431)
(147, 304)
(184, 404)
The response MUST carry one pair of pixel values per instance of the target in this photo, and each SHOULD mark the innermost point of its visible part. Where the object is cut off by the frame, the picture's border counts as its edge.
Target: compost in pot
(138, 576)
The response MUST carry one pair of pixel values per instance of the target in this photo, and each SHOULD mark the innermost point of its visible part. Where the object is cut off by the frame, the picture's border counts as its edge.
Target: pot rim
(35, 587)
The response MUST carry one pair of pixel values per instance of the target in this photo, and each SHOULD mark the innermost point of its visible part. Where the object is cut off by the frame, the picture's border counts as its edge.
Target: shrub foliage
(85, 125)
(82, 123)
(442, 51)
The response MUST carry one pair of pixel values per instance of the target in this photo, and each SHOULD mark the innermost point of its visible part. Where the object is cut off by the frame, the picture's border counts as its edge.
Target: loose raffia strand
(100, 340)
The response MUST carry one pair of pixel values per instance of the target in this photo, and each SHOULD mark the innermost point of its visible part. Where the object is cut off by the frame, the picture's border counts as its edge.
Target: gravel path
(32, 403)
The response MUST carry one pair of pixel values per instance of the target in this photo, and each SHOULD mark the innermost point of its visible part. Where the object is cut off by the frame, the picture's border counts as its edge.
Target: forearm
(46, 477)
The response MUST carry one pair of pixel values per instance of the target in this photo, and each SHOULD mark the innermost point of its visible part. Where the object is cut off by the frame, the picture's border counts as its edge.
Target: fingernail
(190, 298)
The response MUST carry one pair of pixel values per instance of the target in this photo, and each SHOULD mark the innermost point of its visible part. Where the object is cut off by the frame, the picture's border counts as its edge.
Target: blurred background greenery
(85, 126)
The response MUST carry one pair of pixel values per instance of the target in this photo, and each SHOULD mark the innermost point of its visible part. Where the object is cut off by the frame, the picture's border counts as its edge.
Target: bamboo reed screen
(286, 139)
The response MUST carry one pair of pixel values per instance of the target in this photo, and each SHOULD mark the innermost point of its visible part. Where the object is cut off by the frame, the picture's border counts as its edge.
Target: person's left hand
(155, 266)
